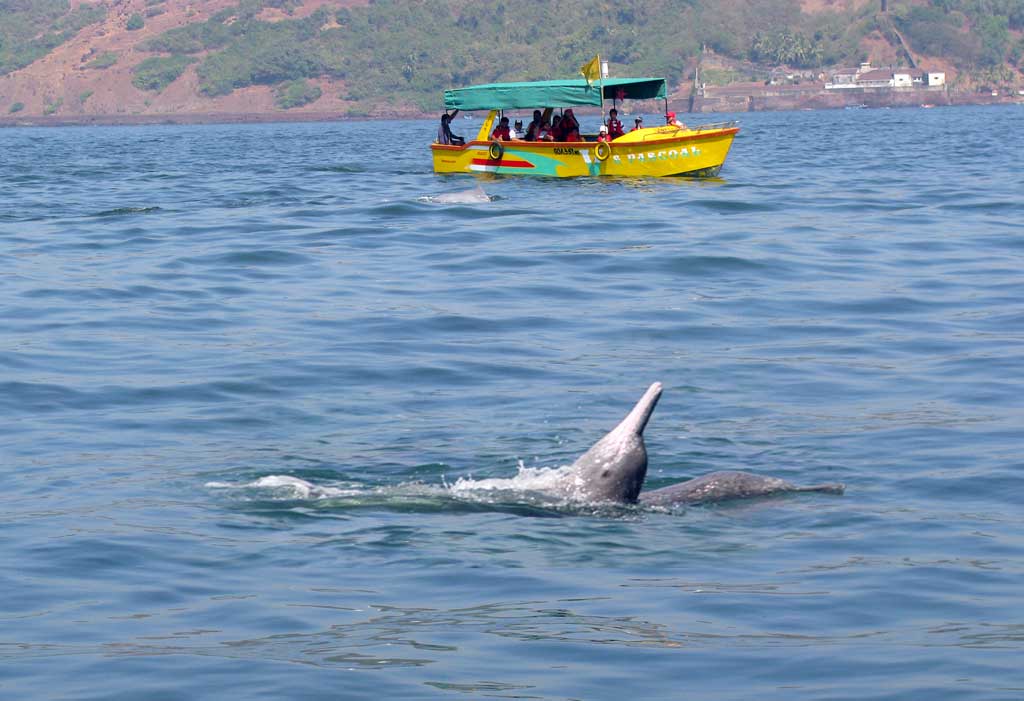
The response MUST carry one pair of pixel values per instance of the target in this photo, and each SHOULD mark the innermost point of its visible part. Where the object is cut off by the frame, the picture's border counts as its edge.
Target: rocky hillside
(130, 60)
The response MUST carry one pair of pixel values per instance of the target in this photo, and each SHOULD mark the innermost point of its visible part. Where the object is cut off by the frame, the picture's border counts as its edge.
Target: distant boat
(856, 107)
(927, 107)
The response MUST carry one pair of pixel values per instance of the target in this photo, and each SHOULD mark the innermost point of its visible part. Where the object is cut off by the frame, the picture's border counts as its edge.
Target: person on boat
(517, 129)
(444, 132)
(544, 131)
(615, 129)
(534, 128)
(670, 119)
(638, 124)
(556, 128)
(570, 127)
(501, 132)
(602, 134)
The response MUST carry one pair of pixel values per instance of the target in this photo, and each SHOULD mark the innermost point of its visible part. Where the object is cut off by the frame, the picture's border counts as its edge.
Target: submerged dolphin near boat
(615, 467)
(474, 195)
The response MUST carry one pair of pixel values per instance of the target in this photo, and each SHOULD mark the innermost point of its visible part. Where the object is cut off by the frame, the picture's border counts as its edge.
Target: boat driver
(444, 132)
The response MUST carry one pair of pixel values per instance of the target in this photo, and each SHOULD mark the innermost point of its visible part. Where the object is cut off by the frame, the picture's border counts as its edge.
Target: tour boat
(650, 151)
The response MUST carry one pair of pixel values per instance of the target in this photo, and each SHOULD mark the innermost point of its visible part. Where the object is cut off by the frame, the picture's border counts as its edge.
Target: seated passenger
(639, 123)
(670, 119)
(556, 128)
(534, 128)
(615, 129)
(570, 127)
(444, 132)
(501, 131)
(602, 134)
(544, 131)
(517, 129)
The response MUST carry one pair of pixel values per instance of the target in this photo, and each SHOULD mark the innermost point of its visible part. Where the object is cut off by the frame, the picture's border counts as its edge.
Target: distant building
(868, 77)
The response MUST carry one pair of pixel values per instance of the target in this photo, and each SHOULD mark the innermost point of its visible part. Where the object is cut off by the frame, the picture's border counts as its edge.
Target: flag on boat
(592, 70)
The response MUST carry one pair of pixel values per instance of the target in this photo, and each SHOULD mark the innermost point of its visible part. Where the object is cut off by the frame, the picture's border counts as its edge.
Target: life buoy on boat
(496, 150)
(602, 151)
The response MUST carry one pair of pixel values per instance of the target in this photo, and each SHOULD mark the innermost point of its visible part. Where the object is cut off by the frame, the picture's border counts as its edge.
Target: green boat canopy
(551, 93)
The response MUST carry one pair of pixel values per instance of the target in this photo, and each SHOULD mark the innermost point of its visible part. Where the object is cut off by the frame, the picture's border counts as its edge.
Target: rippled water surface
(248, 372)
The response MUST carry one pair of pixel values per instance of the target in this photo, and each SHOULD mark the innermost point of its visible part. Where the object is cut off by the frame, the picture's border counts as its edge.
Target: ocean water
(254, 381)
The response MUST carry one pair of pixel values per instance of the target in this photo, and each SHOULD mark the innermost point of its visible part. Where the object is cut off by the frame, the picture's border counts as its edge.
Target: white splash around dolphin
(286, 487)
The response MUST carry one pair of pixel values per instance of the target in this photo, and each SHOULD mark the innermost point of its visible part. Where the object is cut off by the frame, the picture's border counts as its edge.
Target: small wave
(125, 211)
(338, 169)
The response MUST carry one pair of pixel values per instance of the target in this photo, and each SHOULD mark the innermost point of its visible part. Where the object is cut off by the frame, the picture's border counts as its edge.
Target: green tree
(157, 72)
(296, 93)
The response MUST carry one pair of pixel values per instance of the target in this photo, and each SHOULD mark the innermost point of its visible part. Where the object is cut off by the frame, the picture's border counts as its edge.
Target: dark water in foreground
(249, 376)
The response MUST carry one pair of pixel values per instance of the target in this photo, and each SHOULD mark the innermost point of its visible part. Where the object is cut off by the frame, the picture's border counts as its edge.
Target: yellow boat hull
(651, 152)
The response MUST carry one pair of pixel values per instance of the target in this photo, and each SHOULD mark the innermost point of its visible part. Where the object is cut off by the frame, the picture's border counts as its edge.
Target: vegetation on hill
(157, 72)
(406, 52)
(973, 34)
(411, 51)
(30, 29)
(296, 93)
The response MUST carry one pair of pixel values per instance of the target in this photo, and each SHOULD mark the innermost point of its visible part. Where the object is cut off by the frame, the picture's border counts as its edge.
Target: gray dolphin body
(615, 467)
(474, 195)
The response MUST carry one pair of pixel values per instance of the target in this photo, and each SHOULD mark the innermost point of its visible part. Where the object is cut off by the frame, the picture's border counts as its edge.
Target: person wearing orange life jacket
(570, 127)
(501, 131)
(602, 134)
(639, 124)
(556, 129)
(615, 129)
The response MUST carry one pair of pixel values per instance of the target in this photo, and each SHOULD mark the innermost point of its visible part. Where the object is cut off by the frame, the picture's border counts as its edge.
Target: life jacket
(570, 127)
(603, 137)
(501, 132)
(615, 128)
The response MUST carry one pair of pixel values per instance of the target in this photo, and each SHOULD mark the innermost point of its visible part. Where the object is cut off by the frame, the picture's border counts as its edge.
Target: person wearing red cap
(670, 119)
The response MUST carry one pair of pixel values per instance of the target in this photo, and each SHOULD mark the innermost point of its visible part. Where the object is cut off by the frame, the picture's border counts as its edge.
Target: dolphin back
(726, 485)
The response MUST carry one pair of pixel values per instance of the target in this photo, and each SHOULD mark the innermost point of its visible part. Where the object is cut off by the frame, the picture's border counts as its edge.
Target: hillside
(133, 59)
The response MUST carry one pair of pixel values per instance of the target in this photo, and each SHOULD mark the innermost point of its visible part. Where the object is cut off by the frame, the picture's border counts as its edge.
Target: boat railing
(716, 126)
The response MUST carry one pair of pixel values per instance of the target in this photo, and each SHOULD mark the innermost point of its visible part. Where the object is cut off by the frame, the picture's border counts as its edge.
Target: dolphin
(615, 467)
(474, 195)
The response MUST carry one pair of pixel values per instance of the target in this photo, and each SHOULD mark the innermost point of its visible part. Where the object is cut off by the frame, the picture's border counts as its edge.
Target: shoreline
(735, 103)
